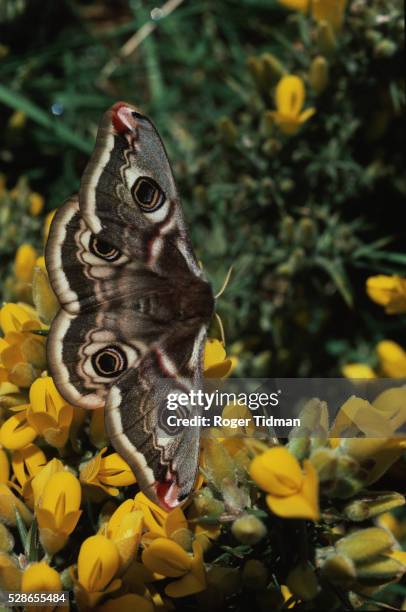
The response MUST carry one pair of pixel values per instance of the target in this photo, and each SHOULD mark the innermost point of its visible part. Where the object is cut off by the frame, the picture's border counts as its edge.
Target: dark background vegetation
(303, 219)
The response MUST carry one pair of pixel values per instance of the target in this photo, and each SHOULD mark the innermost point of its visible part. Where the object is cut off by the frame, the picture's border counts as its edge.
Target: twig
(136, 39)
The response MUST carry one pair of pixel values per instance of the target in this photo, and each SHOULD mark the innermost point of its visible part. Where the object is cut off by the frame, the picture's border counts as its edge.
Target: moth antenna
(221, 328)
(226, 281)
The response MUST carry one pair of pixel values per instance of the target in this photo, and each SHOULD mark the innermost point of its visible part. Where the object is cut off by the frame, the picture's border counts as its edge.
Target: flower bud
(318, 74)
(206, 504)
(325, 462)
(248, 529)
(361, 545)
(326, 38)
(302, 582)
(307, 232)
(371, 504)
(272, 67)
(228, 131)
(340, 570)
(379, 571)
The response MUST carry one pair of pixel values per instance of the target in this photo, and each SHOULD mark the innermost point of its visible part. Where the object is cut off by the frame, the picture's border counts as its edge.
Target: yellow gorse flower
(107, 473)
(40, 577)
(392, 358)
(16, 432)
(57, 510)
(48, 413)
(216, 364)
(98, 563)
(292, 492)
(166, 557)
(388, 291)
(289, 98)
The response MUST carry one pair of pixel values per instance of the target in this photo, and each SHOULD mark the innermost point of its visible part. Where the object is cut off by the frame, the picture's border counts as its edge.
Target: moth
(135, 305)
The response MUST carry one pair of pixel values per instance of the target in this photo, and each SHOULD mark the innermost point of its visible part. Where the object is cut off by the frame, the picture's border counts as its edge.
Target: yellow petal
(277, 471)
(306, 114)
(61, 495)
(399, 555)
(40, 577)
(13, 317)
(294, 506)
(98, 562)
(290, 94)
(381, 288)
(214, 353)
(4, 466)
(41, 478)
(114, 523)
(175, 520)
(167, 558)
(24, 262)
(216, 364)
(52, 541)
(36, 203)
(16, 432)
(115, 471)
(392, 358)
(27, 462)
(44, 397)
(154, 516)
(358, 370)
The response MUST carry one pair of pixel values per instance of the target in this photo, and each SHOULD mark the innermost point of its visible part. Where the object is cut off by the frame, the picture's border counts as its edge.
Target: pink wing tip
(167, 493)
(117, 122)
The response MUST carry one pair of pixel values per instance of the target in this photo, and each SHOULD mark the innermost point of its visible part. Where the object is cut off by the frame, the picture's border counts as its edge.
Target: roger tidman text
(219, 421)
